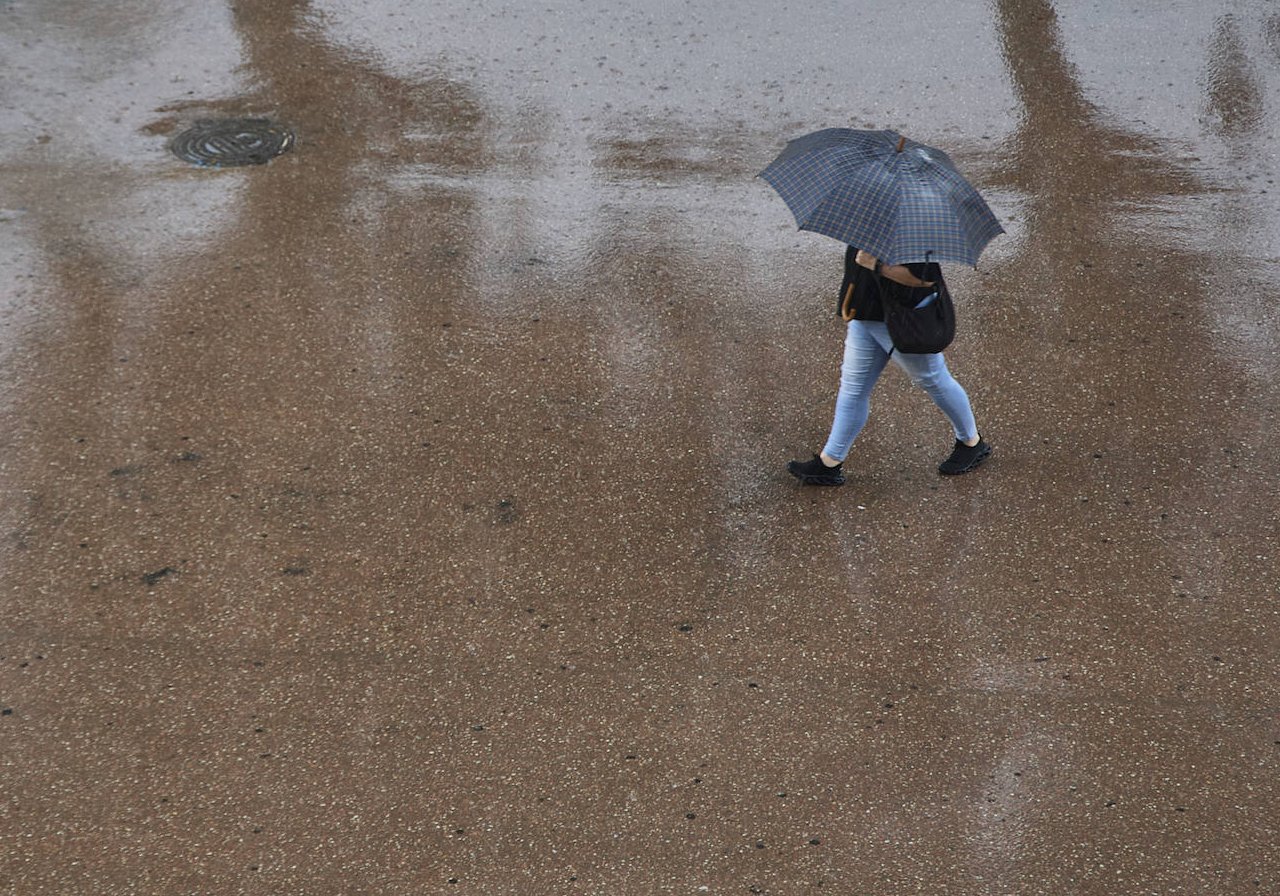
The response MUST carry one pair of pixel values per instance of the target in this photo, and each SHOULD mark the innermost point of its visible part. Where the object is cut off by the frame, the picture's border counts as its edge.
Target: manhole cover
(232, 141)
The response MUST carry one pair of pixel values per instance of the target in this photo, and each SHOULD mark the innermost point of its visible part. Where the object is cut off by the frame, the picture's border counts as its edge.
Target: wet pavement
(409, 514)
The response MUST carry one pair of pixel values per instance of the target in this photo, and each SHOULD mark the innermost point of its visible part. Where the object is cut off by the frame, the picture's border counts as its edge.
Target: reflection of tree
(1124, 367)
(1070, 162)
(308, 221)
(347, 230)
(172, 411)
(274, 327)
(353, 108)
(1234, 97)
(352, 119)
(1235, 107)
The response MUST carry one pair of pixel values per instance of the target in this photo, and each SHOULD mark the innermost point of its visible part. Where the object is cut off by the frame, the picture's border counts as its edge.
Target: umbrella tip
(902, 141)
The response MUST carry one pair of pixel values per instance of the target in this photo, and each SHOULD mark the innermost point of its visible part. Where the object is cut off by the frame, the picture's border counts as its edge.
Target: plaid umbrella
(897, 199)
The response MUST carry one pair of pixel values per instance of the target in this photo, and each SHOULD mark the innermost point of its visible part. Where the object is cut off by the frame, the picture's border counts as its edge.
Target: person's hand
(866, 259)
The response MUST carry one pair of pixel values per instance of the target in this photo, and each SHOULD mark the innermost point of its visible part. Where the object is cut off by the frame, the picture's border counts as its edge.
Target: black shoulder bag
(925, 329)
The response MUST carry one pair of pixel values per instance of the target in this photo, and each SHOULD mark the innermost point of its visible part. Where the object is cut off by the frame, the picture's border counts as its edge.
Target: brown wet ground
(409, 515)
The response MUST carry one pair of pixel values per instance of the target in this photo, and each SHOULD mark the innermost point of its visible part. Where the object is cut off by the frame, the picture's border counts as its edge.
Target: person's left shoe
(815, 472)
(965, 458)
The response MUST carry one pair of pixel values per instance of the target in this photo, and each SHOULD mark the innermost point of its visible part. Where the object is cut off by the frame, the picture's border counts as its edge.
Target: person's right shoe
(965, 458)
(815, 472)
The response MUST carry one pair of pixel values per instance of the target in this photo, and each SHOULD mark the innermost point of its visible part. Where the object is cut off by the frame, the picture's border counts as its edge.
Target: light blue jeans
(867, 349)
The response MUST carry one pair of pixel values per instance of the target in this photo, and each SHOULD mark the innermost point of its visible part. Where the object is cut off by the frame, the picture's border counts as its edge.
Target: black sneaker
(815, 472)
(965, 458)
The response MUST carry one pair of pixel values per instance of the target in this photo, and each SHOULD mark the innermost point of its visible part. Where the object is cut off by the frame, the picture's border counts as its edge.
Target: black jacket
(869, 289)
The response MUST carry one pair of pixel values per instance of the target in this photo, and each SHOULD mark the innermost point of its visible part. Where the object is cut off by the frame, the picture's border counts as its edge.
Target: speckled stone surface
(409, 514)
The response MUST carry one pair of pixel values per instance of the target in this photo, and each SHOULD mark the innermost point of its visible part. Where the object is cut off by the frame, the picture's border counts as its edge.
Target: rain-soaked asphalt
(409, 515)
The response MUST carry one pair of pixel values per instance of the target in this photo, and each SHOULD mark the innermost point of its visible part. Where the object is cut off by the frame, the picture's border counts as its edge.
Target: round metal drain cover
(227, 142)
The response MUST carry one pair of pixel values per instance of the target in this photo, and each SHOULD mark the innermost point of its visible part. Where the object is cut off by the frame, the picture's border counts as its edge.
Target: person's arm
(898, 273)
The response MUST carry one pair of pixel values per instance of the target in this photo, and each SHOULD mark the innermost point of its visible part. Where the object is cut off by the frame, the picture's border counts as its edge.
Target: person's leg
(865, 356)
(930, 373)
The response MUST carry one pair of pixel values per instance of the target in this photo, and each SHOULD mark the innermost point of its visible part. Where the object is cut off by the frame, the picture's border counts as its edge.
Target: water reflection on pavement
(409, 514)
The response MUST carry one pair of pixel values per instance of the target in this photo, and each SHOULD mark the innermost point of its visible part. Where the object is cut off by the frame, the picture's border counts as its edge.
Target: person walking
(868, 348)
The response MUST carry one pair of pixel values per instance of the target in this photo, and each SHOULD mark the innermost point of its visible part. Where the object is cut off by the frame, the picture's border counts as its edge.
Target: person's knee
(929, 379)
(856, 381)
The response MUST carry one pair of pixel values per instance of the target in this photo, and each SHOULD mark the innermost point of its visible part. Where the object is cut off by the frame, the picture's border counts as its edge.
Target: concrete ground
(409, 514)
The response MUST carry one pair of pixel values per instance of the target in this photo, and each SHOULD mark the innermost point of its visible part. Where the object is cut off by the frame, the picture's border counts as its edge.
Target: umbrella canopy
(900, 200)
